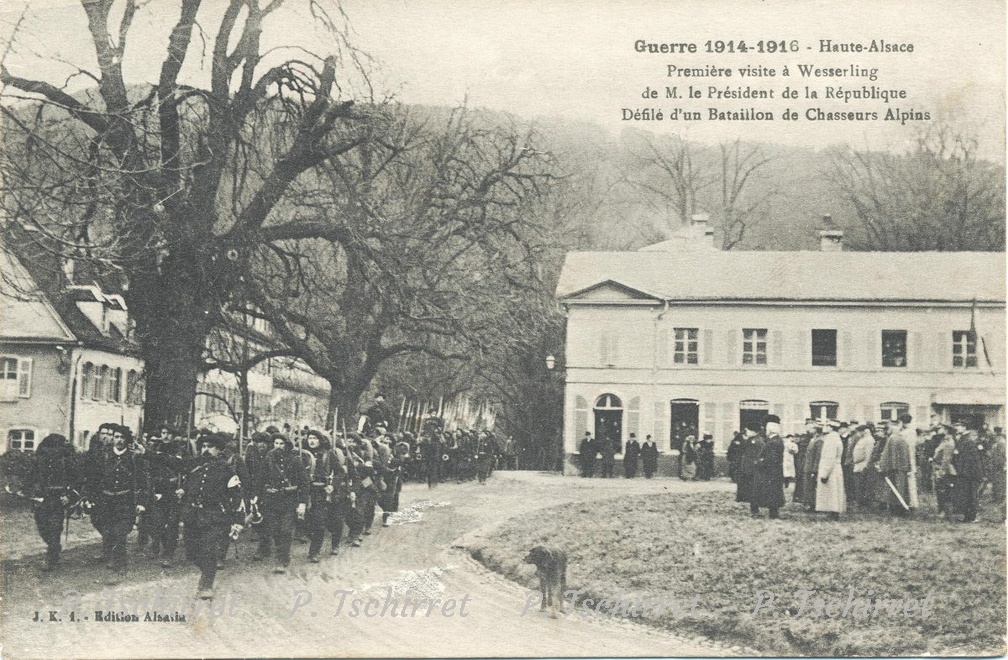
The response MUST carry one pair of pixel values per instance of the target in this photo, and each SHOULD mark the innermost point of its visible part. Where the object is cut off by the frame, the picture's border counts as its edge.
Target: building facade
(683, 334)
(67, 361)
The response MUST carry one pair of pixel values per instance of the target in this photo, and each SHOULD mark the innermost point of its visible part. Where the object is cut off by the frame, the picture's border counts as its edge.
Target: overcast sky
(561, 58)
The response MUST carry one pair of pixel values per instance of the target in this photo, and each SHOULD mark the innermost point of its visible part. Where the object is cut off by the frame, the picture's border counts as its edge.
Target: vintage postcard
(419, 328)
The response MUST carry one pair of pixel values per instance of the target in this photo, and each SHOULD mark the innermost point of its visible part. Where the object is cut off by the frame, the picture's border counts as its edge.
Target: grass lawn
(706, 546)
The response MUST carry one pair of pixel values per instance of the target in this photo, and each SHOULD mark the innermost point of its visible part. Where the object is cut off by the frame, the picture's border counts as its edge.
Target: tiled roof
(798, 276)
(25, 313)
(29, 313)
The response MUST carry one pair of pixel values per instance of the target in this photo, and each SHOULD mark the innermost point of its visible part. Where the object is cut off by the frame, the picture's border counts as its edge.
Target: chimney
(830, 238)
(703, 231)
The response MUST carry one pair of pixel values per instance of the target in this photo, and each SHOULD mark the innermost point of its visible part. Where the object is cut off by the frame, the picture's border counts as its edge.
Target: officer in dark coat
(734, 452)
(630, 456)
(52, 483)
(285, 494)
(649, 457)
(212, 508)
(587, 452)
(121, 486)
(745, 475)
(431, 450)
(768, 477)
(810, 470)
(167, 469)
(968, 463)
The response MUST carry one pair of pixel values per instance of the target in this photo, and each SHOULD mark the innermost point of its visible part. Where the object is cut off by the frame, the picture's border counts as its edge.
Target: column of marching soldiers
(285, 484)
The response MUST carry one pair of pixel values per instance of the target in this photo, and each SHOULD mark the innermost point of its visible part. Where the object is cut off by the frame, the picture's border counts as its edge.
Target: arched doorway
(609, 421)
(824, 409)
(685, 416)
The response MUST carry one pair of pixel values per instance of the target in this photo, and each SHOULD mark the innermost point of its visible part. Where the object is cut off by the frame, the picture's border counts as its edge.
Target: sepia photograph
(421, 328)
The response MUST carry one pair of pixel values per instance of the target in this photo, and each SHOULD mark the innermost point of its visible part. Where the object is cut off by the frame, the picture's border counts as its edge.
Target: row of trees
(418, 244)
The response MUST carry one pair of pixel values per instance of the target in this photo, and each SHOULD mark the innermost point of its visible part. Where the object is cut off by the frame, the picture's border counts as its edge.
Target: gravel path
(419, 558)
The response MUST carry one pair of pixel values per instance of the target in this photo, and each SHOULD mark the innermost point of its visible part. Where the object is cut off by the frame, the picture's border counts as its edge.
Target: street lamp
(550, 362)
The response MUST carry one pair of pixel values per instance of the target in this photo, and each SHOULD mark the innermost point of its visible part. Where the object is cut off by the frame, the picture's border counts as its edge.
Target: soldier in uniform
(484, 456)
(749, 451)
(967, 461)
(167, 468)
(285, 493)
(343, 496)
(390, 480)
(323, 486)
(255, 466)
(366, 488)
(768, 477)
(100, 442)
(52, 484)
(236, 462)
(212, 508)
(379, 414)
(431, 451)
(121, 485)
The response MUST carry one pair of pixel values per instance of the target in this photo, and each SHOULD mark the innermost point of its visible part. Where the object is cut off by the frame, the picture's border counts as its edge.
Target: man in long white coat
(830, 496)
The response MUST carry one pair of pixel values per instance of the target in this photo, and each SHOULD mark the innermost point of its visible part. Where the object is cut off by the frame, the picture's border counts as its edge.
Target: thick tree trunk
(346, 403)
(174, 310)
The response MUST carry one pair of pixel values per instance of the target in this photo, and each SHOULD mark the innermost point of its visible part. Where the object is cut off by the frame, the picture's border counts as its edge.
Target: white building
(67, 360)
(682, 332)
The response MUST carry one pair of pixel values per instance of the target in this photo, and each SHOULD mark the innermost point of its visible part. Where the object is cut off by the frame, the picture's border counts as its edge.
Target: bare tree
(937, 196)
(426, 229)
(173, 186)
(682, 180)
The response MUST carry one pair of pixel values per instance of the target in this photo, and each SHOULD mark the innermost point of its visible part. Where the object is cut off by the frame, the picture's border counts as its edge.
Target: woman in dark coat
(630, 456)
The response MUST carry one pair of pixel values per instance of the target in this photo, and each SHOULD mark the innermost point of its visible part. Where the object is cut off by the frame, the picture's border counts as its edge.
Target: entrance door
(753, 414)
(609, 421)
(972, 416)
(609, 425)
(685, 421)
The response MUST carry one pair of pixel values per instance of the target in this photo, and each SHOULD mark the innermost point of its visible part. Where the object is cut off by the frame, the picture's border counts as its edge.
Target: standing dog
(551, 567)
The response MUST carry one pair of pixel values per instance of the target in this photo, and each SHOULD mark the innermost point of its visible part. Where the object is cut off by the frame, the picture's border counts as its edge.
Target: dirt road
(305, 612)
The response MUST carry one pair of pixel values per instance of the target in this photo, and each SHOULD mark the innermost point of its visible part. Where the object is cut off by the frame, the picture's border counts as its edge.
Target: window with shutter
(709, 417)
(633, 417)
(580, 419)
(8, 378)
(777, 348)
(24, 377)
(658, 431)
(730, 347)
